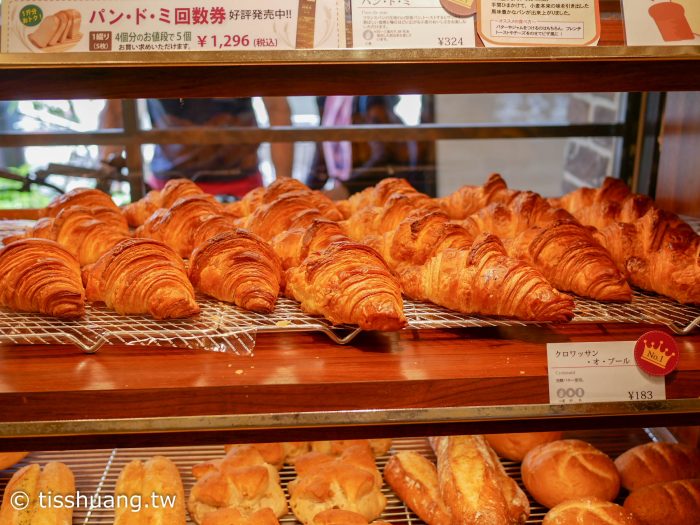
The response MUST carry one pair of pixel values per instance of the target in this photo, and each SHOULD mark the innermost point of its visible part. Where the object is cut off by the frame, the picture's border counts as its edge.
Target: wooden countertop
(292, 373)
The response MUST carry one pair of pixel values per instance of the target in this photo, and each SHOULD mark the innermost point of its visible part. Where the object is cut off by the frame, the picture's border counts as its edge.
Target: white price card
(409, 24)
(662, 22)
(599, 371)
(59, 26)
(538, 23)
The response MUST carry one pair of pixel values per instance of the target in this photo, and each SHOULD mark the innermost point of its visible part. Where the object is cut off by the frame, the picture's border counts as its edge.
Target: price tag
(537, 23)
(599, 371)
(661, 22)
(410, 24)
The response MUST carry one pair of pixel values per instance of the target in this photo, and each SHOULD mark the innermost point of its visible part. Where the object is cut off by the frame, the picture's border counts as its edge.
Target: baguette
(670, 503)
(657, 462)
(414, 479)
(55, 480)
(474, 484)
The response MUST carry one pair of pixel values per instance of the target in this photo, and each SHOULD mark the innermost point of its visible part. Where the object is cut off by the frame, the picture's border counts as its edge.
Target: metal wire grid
(96, 471)
(223, 327)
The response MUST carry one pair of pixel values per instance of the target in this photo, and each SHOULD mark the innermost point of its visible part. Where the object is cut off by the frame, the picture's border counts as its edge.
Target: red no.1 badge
(656, 353)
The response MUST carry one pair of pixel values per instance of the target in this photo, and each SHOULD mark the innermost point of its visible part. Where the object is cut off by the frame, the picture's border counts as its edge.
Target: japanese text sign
(538, 23)
(599, 371)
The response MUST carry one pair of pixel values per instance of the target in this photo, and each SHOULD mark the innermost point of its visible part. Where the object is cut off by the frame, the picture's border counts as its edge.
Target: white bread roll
(515, 446)
(569, 469)
(670, 503)
(657, 462)
(589, 511)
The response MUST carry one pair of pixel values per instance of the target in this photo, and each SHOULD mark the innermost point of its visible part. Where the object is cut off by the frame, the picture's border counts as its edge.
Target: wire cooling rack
(222, 327)
(96, 471)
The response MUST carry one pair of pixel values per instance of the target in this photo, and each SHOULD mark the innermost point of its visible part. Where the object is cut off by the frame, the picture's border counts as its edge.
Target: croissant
(211, 226)
(78, 197)
(238, 267)
(551, 240)
(176, 226)
(139, 211)
(658, 251)
(287, 212)
(247, 204)
(375, 195)
(293, 246)
(38, 275)
(81, 231)
(484, 280)
(469, 199)
(348, 283)
(141, 276)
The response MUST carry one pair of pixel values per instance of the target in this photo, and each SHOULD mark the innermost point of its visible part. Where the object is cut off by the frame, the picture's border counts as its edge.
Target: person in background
(220, 169)
(354, 167)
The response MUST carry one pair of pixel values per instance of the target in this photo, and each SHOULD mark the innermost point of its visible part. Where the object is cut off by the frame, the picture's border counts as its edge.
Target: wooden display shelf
(304, 386)
(480, 70)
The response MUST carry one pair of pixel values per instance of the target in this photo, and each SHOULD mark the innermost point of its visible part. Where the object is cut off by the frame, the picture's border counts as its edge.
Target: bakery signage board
(662, 22)
(413, 24)
(59, 26)
(505, 23)
(599, 371)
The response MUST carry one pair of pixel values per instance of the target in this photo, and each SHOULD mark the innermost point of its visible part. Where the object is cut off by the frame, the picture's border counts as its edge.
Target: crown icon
(656, 355)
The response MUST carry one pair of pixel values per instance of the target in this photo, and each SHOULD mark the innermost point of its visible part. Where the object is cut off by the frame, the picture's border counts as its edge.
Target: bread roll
(589, 511)
(657, 462)
(569, 469)
(350, 482)
(229, 516)
(670, 503)
(56, 480)
(242, 480)
(515, 446)
(7, 459)
(139, 482)
(342, 517)
(277, 454)
(335, 448)
(414, 479)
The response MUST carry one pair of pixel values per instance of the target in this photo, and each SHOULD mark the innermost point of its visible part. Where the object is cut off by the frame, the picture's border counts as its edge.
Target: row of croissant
(482, 250)
(338, 483)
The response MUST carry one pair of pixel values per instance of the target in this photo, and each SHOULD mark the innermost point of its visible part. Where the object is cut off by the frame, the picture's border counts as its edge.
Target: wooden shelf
(480, 70)
(303, 385)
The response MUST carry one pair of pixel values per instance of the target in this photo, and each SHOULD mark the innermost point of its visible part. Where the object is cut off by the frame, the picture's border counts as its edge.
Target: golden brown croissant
(82, 231)
(150, 493)
(658, 250)
(484, 280)
(140, 276)
(287, 212)
(211, 226)
(139, 211)
(375, 195)
(551, 240)
(470, 199)
(38, 275)
(78, 197)
(46, 495)
(176, 226)
(348, 283)
(293, 246)
(247, 204)
(238, 267)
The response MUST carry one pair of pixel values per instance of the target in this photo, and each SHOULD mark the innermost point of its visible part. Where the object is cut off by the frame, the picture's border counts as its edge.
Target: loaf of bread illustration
(60, 28)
